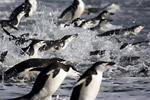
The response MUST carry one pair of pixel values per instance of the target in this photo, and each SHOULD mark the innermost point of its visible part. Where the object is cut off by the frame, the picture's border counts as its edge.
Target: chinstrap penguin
(101, 23)
(134, 30)
(29, 6)
(74, 11)
(44, 45)
(93, 22)
(25, 9)
(48, 81)
(88, 86)
(12, 23)
(124, 45)
(31, 68)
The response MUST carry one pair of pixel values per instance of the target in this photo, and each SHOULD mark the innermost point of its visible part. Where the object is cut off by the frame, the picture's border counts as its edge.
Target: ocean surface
(129, 79)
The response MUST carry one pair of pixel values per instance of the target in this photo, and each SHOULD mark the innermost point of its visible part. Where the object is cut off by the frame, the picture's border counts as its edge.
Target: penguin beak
(75, 35)
(79, 74)
(111, 63)
(143, 25)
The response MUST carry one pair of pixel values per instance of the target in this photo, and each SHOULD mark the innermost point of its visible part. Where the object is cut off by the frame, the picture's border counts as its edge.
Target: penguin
(101, 23)
(73, 11)
(93, 22)
(12, 23)
(48, 81)
(103, 15)
(29, 6)
(76, 22)
(30, 68)
(88, 86)
(45, 45)
(124, 45)
(33, 48)
(97, 52)
(59, 44)
(25, 9)
(87, 24)
(90, 23)
(134, 30)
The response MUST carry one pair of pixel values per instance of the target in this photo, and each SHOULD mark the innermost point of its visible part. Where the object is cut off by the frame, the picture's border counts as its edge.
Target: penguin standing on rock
(74, 11)
(48, 81)
(88, 85)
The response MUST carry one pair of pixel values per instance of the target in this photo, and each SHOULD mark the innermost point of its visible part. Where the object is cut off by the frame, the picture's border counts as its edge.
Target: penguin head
(138, 28)
(69, 37)
(73, 72)
(78, 21)
(39, 44)
(105, 13)
(103, 65)
(87, 24)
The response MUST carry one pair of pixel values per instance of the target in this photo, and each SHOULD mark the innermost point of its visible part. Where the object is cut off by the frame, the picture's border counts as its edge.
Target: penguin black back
(36, 64)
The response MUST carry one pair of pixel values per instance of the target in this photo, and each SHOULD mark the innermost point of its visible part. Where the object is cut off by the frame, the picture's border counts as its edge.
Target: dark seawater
(127, 80)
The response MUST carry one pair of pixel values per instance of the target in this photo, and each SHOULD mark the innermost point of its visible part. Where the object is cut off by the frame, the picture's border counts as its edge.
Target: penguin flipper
(55, 73)
(80, 82)
(66, 13)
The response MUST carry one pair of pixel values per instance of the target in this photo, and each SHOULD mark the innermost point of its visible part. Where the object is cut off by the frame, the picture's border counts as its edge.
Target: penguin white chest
(51, 85)
(34, 6)
(19, 16)
(80, 10)
(91, 91)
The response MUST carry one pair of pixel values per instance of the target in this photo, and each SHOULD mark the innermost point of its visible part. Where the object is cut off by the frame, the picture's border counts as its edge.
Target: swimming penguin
(93, 22)
(12, 23)
(97, 52)
(59, 44)
(29, 7)
(90, 23)
(44, 45)
(103, 15)
(134, 30)
(74, 11)
(31, 68)
(33, 48)
(101, 23)
(88, 86)
(48, 81)
(76, 22)
(26, 9)
(124, 45)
